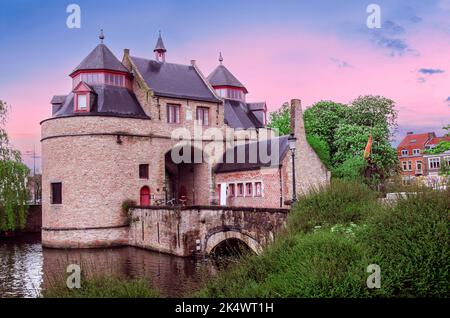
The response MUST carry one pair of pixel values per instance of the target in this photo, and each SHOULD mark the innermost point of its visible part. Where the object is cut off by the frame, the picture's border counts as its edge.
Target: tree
(280, 120)
(322, 119)
(13, 177)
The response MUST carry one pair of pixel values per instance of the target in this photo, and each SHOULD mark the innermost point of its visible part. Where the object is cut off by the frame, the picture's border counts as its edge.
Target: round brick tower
(92, 148)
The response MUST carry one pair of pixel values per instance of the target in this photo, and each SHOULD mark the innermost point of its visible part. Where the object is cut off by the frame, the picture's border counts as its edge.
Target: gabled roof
(101, 58)
(174, 80)
(221, 76)
(415, 140)
(238, 115)
(108, 101)
(249, 163)
(437, 140)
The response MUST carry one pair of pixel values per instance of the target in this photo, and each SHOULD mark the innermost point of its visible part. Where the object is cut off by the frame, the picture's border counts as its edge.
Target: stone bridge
(197, 230)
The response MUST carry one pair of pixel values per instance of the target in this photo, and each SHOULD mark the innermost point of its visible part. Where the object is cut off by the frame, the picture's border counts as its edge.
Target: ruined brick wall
(34, 219)
(310, 171)
(179, 231)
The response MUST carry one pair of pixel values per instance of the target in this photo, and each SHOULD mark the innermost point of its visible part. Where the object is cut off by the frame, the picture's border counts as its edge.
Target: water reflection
(26, 268)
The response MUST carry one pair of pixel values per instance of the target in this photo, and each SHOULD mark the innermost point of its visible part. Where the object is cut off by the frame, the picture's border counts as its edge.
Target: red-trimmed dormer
(83, 97)
(226, 84)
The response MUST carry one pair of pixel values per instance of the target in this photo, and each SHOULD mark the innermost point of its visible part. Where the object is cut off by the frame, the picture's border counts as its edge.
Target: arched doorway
(145, 196)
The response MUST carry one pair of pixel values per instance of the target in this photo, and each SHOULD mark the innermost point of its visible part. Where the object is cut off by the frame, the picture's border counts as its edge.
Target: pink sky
(276, 66)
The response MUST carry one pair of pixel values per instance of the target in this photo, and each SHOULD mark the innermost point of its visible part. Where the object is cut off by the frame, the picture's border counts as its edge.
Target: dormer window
(82, 102)
(83, 94)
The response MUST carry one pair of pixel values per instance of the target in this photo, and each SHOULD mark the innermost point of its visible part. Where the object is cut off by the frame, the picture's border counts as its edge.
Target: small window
(143, 171)
(404, 152)
(409, 165)
(173, 114)
(249, 189)
(434, 163)
(404, 166)
(416, 151)
(82, 102)
(258, 189)
(56, 192)
(231, 190)
(203, 115)
(240, 188)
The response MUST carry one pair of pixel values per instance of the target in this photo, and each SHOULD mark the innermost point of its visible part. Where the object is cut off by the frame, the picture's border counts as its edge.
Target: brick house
(410, 154)
(112, 138)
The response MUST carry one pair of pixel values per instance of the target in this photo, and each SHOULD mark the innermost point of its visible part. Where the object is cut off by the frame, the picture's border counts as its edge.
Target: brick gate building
(111, 139)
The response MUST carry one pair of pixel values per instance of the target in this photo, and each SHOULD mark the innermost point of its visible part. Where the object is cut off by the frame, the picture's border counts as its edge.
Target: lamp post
(292, 145)
(33, 155)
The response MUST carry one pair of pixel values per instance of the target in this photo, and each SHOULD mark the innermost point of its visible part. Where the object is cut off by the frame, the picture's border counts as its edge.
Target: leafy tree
(13, 176)
(280, 120)
(440, 148)
(322, 119)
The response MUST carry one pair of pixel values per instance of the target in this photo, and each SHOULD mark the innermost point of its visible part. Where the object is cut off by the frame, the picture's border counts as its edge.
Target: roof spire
(220, 58)
(160, 49)
(101, 36)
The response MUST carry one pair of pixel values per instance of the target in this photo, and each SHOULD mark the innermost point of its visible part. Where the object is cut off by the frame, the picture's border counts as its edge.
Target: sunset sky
(312, 50)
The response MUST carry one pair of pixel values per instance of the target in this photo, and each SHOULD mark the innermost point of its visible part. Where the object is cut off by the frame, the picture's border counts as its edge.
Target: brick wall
(179, 231)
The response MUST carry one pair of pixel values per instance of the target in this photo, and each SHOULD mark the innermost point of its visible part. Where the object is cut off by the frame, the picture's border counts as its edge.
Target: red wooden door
(145, 196)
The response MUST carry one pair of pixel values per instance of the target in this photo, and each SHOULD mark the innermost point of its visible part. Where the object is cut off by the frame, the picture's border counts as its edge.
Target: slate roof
(221, 76)
(108, 101)
(160, 45)
(238, 115)
(250, 163)
(101, 58)
(58, 99)
(174, 80)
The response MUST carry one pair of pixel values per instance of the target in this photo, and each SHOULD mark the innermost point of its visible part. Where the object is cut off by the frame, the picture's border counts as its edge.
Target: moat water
(26, 268)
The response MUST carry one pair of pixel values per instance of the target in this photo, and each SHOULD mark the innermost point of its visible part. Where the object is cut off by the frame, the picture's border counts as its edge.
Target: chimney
(410, 133)
(297, 125)
(193, 62)
(126, 52)
(431, 135)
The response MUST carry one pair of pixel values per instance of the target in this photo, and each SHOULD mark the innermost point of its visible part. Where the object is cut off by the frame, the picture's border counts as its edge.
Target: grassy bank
(104, 287)
(334, 234)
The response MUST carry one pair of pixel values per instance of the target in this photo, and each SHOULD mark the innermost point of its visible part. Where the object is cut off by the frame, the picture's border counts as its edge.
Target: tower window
(143, 171)
(82, 102)
(56, 193)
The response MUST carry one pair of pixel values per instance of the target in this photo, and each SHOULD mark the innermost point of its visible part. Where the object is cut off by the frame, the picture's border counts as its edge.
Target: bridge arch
(219, 237)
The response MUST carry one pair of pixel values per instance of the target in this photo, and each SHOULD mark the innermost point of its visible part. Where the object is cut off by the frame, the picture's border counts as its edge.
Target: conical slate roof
(101, 58)
(160, 45)
(221, 76)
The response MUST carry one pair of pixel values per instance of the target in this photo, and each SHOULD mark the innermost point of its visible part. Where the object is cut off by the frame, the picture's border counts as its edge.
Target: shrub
(340, 202)
(410, 242)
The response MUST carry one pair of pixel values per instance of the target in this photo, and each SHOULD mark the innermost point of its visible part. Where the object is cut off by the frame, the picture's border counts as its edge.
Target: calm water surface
(26, 268)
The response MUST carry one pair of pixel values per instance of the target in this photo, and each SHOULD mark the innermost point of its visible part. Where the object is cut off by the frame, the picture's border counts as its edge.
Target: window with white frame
(409, 165)
(81, 102)
(240, 189)
(404, 152)
(434, 163)
(258, 189)
(404, 166)
(447, 160)
(419, 165)
(173, 114)
(249, 189)
(203, 115)
(416, 151)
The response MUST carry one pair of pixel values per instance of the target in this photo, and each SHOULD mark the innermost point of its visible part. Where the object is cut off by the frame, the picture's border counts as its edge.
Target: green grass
(334, 234)
(104, 287)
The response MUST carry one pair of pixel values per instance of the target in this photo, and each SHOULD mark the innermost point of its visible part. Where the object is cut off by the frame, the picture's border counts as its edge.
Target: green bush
(104, 287)
(410, 242)
(334, 234)
(340, 202)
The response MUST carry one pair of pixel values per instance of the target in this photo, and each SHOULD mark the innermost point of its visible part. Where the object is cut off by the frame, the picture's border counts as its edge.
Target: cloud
(444, 5)
(430, 71)
(421, 79)
(447, 100)
(388, 37)
(340, 63)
